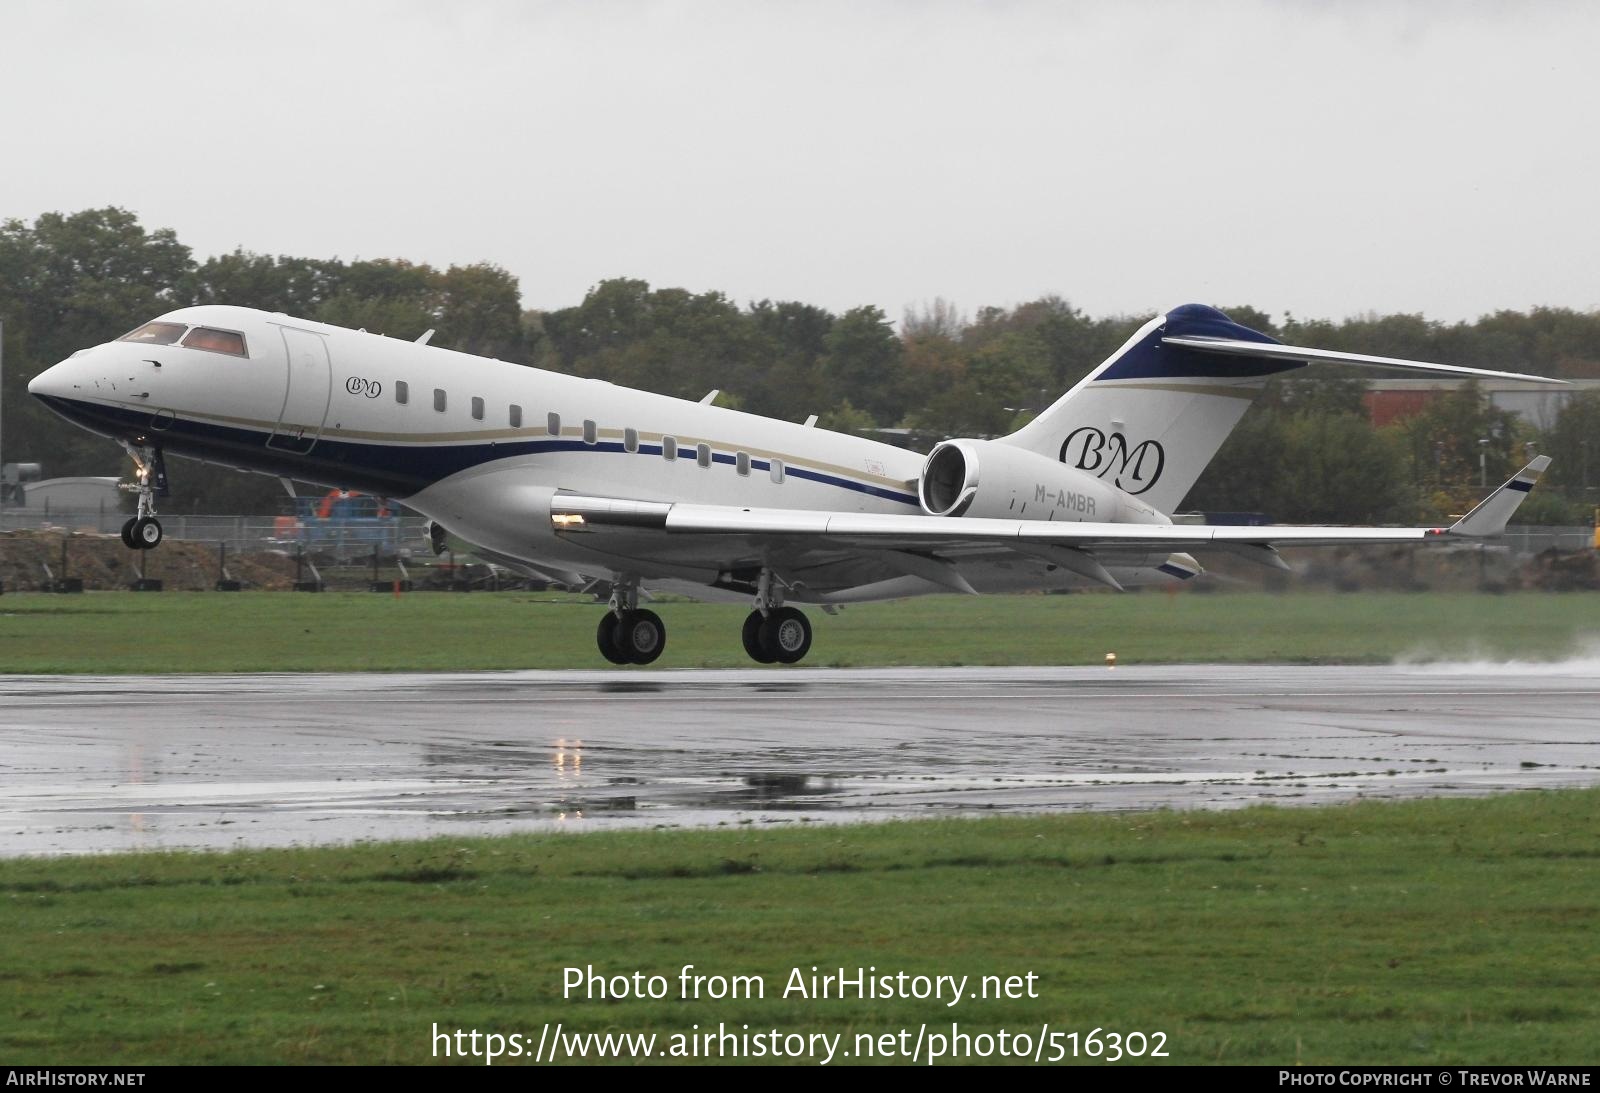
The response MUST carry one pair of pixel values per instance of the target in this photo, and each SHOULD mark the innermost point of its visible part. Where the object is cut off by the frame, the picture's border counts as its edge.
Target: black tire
(146, 533)
(605, 636)
(752, 638)
(786, 635)
(641, 635)
(127, 533)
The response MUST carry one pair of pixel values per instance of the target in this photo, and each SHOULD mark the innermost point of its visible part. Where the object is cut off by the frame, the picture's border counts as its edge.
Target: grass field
(1458, 931)
(210, 632)
(1421, 932)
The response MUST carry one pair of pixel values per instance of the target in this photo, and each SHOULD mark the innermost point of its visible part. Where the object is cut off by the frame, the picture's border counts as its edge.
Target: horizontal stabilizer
(1492, 513)
(1273, 351)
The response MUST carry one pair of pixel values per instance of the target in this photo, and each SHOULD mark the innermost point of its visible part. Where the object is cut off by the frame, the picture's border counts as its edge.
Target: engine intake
(984, 478)
(949, 481)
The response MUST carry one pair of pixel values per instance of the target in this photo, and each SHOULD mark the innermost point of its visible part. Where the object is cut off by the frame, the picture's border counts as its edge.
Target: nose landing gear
(143, 531)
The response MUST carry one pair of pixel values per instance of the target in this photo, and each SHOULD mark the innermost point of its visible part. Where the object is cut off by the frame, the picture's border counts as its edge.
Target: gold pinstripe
(538, 433)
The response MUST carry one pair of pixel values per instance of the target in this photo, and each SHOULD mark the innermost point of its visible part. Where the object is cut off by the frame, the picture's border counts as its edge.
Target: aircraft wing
(941, 535)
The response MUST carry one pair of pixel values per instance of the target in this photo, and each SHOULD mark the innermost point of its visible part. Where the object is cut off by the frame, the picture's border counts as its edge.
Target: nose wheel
(143, 531)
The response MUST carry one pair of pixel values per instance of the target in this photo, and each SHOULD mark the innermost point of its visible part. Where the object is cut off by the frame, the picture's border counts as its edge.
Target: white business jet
(589, 484)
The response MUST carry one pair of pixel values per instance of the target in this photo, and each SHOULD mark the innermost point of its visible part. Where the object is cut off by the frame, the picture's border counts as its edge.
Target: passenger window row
(441, 402)
(591, 432)
(702, 455)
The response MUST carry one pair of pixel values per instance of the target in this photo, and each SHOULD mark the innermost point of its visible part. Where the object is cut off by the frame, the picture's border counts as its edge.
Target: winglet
(1490, 517)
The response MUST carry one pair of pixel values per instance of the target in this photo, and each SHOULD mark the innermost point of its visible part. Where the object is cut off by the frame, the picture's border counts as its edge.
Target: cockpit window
(218, 341)
(155, 333)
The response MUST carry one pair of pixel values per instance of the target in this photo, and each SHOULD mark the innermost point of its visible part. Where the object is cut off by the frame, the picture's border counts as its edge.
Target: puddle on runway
(261, 761)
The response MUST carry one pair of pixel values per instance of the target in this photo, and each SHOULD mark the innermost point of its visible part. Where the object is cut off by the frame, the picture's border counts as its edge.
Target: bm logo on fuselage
(1132, 469)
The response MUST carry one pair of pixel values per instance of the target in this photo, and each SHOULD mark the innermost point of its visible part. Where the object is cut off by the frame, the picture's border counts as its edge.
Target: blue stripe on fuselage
(388, 470)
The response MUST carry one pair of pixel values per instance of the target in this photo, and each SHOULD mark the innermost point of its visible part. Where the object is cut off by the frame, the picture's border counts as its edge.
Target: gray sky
(1323, 158)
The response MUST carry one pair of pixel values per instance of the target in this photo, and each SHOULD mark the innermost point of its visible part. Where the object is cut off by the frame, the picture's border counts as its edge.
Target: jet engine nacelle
(985, 478)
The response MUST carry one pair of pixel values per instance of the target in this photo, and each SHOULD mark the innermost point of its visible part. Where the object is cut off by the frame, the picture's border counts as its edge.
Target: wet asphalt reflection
(97, 764)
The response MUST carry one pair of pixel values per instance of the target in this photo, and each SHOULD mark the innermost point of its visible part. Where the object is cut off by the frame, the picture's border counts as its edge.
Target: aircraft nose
(53, 381)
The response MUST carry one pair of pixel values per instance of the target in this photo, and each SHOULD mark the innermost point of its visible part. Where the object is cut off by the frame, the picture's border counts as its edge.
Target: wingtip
(1492, 514)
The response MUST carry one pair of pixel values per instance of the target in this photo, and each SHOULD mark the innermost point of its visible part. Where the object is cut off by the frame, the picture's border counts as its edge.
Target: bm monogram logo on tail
(1133, 469)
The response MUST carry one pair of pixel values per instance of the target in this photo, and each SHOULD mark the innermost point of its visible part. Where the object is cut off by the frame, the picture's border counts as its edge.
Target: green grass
(1445, 931)
(210, 632)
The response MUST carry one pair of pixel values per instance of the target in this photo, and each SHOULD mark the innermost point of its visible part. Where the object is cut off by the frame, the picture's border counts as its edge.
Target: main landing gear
(782, 636)
(143, 531)
(628, 633)
(773, 633)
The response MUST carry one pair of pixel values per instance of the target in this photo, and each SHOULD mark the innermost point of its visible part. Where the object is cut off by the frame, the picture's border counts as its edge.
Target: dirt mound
(1556, 572)
(30, 559)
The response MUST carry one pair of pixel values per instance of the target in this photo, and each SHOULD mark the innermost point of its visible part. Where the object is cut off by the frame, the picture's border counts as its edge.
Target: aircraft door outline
(308, 390)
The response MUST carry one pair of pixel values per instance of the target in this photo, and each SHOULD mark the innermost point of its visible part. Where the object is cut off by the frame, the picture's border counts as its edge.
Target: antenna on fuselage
(711, 396)
(422, 339)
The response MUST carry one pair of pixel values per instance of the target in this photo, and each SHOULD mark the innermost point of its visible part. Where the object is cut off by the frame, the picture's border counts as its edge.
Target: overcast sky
(1327, 159)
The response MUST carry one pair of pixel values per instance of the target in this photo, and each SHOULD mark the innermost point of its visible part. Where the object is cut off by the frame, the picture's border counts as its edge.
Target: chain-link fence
(392, 537)
(1531, 539)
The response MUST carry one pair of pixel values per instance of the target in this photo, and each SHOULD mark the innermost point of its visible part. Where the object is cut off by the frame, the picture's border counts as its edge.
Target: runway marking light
(1111, 660)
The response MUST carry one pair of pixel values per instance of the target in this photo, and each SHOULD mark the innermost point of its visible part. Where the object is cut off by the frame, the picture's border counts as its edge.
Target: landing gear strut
(773, 633)
(628, 633)
(143, 531)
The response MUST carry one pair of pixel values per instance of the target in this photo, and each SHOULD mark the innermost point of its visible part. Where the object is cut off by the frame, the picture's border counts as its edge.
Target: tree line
(1305, 453)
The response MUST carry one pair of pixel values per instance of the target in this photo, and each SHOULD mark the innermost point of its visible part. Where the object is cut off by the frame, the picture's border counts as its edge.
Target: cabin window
(552, 424)
(438, 399)
(402, 392)
(155, 333)
(741, 463)
(477, 408)
(590, 432)
(516, 416)
(216, 341)
(669, 447)
(775, 469)
(630, 439)
(702, 454)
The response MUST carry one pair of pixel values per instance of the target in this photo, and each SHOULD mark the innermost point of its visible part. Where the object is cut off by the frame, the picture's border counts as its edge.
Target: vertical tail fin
(1152, 416)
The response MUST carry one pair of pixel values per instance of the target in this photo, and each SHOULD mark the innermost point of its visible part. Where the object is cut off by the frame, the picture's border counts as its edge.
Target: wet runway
(95, 764)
